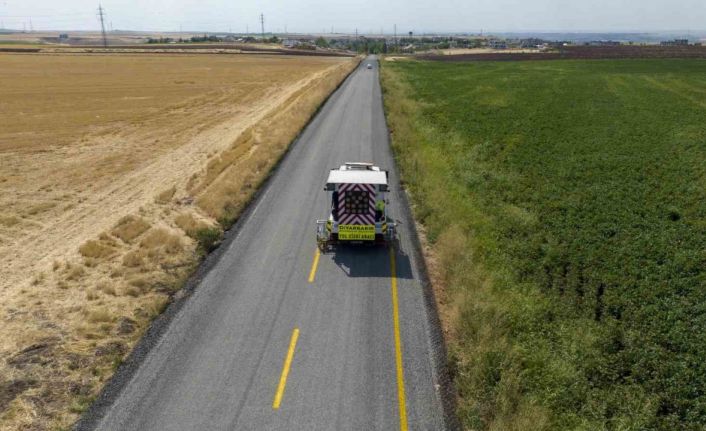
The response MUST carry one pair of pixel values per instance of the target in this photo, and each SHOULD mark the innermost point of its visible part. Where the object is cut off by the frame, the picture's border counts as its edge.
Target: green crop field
(565, 205)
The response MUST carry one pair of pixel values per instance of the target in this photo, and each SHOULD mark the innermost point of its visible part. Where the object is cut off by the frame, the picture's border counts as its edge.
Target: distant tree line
(160, 40)
(210, 38)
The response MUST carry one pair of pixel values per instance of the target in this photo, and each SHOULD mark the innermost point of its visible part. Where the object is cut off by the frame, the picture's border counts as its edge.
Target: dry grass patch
(74, 272)
(97, 249)
(165, 196)
(189, 224)
(134, 258)
(163, 238)
(156, 306)
(130, 227)
(9, 220)
(132, 291)
(40, 208)
(38, 279)
(107, 288)
(140, 282)
(98, 315)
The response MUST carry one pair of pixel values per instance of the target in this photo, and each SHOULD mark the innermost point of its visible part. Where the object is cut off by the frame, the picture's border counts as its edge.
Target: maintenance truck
(358, 207)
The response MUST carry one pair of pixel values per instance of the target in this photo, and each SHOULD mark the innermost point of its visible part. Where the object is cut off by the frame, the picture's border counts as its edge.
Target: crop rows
(566, 204)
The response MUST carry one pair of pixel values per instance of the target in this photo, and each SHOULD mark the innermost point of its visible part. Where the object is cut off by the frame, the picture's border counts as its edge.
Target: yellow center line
(398, 344)
(285, 370)
(315, 264)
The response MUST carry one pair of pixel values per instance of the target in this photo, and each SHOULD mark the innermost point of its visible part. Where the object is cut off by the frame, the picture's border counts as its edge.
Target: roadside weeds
(462, 288)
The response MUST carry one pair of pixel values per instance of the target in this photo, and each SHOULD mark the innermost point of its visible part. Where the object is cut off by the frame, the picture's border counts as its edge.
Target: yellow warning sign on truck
(352, 232)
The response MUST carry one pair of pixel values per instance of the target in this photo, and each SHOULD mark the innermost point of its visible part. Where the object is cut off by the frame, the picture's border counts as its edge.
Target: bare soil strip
(576, 53)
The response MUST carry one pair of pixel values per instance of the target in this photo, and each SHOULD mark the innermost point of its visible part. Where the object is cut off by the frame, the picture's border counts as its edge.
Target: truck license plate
(350, 232)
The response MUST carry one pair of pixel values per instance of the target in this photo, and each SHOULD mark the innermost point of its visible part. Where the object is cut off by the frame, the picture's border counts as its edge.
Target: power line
(101, 14)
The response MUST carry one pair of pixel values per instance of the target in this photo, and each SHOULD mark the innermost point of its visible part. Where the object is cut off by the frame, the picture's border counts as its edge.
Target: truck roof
(357, 173)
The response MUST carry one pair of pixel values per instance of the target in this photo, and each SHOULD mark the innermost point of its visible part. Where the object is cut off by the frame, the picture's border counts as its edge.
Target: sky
(368, 16)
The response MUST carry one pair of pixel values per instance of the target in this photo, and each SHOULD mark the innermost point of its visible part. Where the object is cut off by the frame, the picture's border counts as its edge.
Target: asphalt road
(230, 350)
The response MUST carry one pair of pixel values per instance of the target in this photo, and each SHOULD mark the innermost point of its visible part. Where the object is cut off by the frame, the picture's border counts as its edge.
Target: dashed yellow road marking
(285, 369)
(314, 265)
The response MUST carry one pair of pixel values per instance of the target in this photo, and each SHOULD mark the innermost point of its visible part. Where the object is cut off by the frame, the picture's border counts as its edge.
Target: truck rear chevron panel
(352, 200)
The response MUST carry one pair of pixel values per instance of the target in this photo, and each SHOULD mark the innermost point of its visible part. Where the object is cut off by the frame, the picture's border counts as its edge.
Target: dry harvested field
(82, 37)
(116, 173)
(151, 49)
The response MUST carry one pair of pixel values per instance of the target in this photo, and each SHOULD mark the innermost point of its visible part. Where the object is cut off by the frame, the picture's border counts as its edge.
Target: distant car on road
(370, 66)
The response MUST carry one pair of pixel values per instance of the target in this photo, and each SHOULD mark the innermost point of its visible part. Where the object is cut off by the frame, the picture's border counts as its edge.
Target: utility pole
(31, 26)
(395, 37)
(262, 26)
(101, 14)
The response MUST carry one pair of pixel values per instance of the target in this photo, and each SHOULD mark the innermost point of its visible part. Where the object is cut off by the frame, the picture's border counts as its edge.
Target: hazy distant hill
(622, 37)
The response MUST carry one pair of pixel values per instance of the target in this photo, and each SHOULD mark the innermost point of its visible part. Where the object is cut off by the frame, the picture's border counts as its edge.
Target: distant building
(409, 48)
(290, 43)
(63, 36)
(532, 42)
(604, 43)
(675, 42)
(497, 44)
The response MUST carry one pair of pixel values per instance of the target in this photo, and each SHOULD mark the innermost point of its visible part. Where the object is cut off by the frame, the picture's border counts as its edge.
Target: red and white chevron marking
(350, 209)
